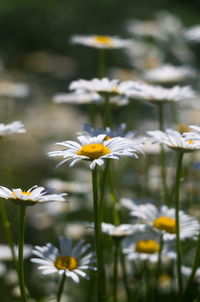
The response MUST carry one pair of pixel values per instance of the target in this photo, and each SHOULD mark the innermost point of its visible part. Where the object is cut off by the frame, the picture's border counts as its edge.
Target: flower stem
(116, 256)
(22, 212)
(116, 218)
(160, 256)
(61, 287)
(125, 279)
(106, 113)
(98, 240)
(8, 233)
(101, 63)
(177, 206)
(103, 187)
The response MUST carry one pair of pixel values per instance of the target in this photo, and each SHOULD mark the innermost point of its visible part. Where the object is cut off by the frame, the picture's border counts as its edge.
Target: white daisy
(163, 219)
(145, 245)
(193, 33)
(31, 197)
(77, 97)
(14, 127)
(157, 94)
(95, 149)
(175, 140)
(169, 74)
(121, 230)
(15, 90)
(100, 41)
(68, 260)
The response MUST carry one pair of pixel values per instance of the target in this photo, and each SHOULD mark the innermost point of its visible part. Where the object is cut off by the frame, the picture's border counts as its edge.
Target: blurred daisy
(169, 74)
(77, 97)
(94, 149)
(14, 127)
(193, 33)
(175, 140)
(120, 131)
(157, 94)
(15, 90)
(31, 197)
(68, 260)
(163, 220)
(102, 86)
(98, 41)
(6, 255)
(121, 230)
(146, 246)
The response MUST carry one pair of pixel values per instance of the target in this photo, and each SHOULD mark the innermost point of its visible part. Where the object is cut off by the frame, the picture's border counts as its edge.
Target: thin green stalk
(124, 276)
(101, 63)
(116, 256)
(194, 268)
(8, 233)
(22, 212)
(101, 296)
(103, 187)
(61, 287)
(177, 208)
(114, 198)
(162, 154)
(159, 257)
(106, 109)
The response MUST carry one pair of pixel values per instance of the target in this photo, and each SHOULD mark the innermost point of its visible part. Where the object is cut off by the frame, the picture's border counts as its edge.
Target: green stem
(8, 233)
(103, 187)
(116, 256)
(160, 256)
(61, 287)
(106, 113)
(177, 208)
(22, 212)
(114, 198)
(101, 63)
(125, 278)
(98, 240)
(194, 268)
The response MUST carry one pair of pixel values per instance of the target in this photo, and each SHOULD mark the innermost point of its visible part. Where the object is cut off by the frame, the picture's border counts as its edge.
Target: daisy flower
(121, 230)
(175, 140)
(14, 127)
(163, 220)
(157, 94)
(94, 149)
(77, 97)
(145, 245)
(15, 90)
(31, 197)
(193, 33)
(169, 74)
(68, 260)
(100, 41)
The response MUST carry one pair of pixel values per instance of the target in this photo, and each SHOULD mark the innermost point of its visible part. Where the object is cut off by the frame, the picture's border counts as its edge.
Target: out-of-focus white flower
(121, 230)
(157, 94)
(147, 28)
(15, 90)
(14, 127)
(169, 74)
(68, 260)
(95, 149)
(77, 97)
(175, 140)
(31, 197)
(69, 186)
(100, 41)
(193, 33)
(163, 219)
(145, 245)
(5, 252)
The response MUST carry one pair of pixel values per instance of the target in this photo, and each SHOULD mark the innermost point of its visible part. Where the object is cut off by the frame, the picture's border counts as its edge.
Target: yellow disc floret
(104, 40)
(147, 246)
(166, 224)
(94, 151)
(66, 263)
(22, 192)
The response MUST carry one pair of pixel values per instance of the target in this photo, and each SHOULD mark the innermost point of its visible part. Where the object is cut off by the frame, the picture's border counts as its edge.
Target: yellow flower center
(104, 40)
(166, 224)
(147, 246)
(66, 262)
(23, 192)
(94, 151)
(190, 141)
(183, 128)
(107, 138)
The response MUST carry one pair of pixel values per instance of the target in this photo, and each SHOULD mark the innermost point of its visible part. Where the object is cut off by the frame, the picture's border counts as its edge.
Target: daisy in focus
(145, 245)
(163, 220)
(175, 140)
(95, 149)
(31, 197)
(100, 41)
(68, 260)
(14, 127)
